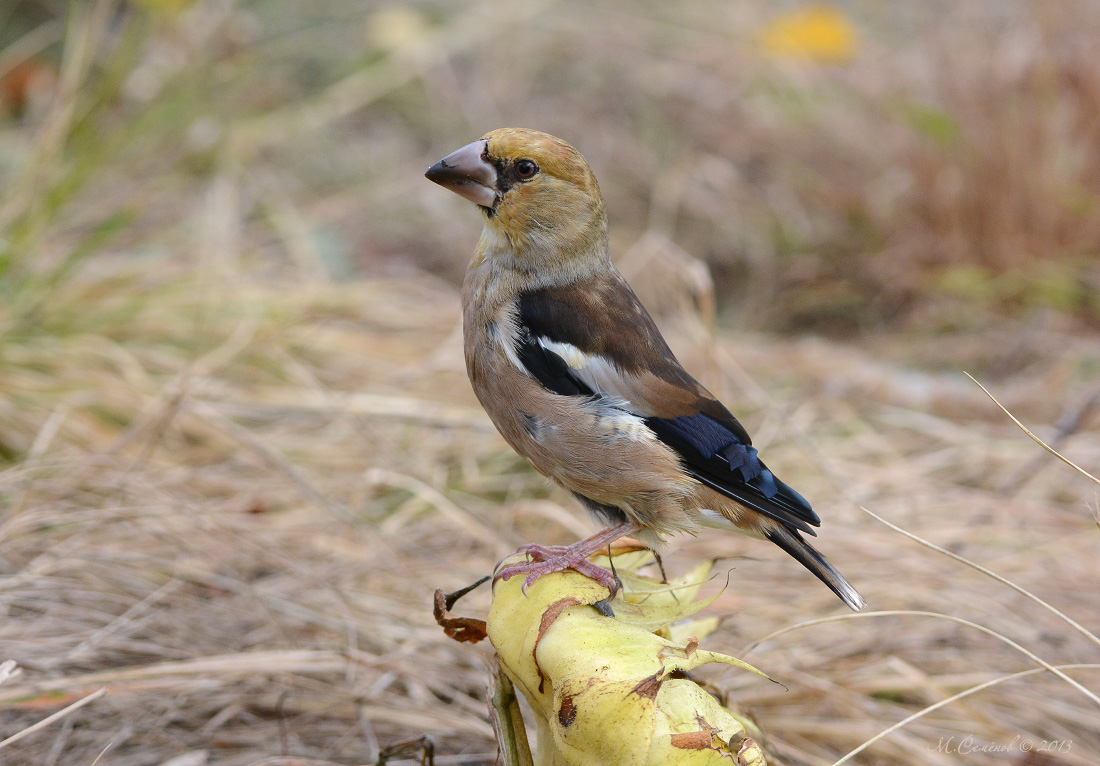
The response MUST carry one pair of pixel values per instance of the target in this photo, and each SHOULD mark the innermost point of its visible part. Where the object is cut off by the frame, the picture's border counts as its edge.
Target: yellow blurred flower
(168, 7)
(812, 33)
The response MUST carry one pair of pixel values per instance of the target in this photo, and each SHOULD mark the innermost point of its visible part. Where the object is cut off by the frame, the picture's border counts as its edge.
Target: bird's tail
(792, 542)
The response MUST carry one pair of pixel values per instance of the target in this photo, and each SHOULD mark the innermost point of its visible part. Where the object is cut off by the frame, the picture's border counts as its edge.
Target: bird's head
(539, 197)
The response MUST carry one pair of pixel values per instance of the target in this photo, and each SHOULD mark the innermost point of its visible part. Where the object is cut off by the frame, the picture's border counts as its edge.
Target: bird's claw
(544, 560)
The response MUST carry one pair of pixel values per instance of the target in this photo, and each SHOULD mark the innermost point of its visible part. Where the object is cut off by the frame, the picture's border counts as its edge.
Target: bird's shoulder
(601, 331)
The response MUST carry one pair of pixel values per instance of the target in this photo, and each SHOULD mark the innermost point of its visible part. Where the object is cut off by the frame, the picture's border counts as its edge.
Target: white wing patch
(613, 414)
(573, 356)
(596, 372)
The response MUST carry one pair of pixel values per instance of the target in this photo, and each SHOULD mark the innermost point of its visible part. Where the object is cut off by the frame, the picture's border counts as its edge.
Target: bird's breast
(589, 444)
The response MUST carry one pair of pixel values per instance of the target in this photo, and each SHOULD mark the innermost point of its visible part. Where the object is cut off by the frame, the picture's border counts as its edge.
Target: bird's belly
(590, 447)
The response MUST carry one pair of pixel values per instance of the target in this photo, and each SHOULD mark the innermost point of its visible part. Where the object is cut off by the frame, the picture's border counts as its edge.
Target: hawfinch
(577, 378)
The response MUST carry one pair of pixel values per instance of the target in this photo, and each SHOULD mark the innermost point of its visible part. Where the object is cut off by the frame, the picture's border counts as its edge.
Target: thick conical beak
(468, 174)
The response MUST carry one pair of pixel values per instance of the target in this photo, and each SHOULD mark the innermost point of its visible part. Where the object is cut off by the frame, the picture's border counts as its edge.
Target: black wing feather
(730, 467)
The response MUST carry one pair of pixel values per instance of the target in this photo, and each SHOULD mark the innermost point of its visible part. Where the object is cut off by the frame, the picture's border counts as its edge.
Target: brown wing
(595, 338)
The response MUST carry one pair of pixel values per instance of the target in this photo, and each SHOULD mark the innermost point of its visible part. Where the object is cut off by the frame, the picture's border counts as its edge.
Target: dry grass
(232, 476)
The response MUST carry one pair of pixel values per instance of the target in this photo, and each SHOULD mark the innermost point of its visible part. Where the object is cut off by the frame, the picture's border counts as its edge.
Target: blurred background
(238, 450)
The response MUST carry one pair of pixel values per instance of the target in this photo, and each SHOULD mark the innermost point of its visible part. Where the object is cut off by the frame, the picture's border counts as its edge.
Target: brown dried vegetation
(238, 452)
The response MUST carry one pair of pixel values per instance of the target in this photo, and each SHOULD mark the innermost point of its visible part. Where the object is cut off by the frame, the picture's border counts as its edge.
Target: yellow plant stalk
(614, 691)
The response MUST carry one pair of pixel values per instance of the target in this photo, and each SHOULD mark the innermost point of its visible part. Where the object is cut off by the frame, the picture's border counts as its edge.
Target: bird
(575, 375)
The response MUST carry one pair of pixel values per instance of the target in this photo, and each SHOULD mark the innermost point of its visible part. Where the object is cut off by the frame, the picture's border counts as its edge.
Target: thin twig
(55, 717)
(102, 753)
(1071, 420)
(1034, 438)
(947, 701)
(1003, 580)
(913, 613)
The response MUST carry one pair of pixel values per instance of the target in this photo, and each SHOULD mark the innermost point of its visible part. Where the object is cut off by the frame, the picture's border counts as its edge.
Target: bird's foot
(541, 565)
(539, 552)
(548, 559)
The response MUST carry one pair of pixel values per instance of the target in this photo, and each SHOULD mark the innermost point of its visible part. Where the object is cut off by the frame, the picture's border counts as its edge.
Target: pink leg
(547, 559)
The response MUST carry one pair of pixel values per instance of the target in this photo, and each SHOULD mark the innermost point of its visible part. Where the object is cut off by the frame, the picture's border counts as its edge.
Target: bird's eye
(526, 169)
